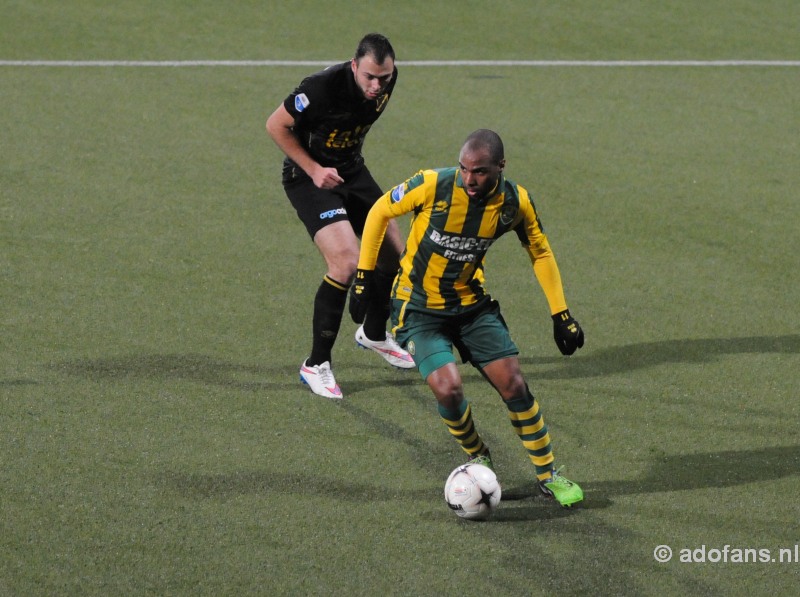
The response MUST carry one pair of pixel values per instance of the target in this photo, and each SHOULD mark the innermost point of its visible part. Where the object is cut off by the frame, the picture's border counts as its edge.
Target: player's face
(371, 77)
(479, 172)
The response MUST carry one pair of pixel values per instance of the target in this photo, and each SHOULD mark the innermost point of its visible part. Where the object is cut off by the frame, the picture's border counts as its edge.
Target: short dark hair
(489, 140)
(377, 46)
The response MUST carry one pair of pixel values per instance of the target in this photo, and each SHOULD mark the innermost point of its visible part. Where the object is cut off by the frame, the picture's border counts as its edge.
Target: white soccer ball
(472, 491)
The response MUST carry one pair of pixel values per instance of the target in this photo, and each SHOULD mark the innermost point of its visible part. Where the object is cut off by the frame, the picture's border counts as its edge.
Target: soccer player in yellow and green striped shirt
(439, 300)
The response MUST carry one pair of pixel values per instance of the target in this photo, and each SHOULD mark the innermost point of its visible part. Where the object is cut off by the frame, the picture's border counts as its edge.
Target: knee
(448, 394)
(514, 387)
(348, 271)
(342, 267)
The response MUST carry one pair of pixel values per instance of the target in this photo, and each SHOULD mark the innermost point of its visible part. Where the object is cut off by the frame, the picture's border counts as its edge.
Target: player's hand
(360, 294)
(326, 178)
(567, 333)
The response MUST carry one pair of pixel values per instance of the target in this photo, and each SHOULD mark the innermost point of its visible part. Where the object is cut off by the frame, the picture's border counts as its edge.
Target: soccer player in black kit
(321, 127)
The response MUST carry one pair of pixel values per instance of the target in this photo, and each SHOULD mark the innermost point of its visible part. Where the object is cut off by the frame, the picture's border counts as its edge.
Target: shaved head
(481, 163)
(485, 140)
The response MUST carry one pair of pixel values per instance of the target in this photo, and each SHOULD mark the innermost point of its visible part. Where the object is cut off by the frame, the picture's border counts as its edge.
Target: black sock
(378, 309)
(328, 308)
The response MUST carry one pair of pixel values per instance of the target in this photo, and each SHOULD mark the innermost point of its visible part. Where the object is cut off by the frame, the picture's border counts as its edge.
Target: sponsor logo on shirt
(346, 139)
(461, 248)
(301, 102)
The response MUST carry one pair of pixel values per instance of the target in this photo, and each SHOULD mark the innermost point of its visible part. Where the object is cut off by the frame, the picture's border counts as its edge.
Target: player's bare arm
(279, 127)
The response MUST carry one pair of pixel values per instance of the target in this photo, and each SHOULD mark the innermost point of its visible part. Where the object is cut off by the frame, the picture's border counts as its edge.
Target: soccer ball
(472, 491)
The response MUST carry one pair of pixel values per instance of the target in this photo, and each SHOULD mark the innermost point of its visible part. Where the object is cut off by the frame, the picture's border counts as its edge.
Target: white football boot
(389, 349)
(320, 379)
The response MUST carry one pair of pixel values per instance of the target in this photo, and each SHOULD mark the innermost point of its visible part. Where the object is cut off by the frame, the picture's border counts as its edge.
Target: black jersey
(332, 117)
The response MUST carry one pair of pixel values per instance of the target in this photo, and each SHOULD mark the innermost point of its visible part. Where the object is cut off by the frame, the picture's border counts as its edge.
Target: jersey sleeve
(411, 195)
(534, 240)
(309, 97)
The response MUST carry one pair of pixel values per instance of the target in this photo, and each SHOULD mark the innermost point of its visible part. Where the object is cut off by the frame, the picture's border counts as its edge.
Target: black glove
(567, 333)
(360, 294)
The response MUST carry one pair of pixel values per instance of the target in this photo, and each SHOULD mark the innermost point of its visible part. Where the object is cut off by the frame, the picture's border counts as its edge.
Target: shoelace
(562, 482)
(326, 375)
(555, 476)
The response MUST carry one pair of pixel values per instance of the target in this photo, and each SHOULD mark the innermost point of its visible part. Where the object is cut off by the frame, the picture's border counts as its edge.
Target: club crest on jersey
(398, 192)
(507, 215)
(301, 102)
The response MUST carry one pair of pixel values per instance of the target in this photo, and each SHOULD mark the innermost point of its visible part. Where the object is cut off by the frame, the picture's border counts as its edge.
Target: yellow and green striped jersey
(441, 268)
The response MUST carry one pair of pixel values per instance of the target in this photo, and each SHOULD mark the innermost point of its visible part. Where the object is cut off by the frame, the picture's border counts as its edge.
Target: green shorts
(480, 334)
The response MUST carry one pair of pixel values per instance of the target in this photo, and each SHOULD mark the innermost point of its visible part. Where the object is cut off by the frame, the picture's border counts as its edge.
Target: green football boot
(485, 459)
(561, 489)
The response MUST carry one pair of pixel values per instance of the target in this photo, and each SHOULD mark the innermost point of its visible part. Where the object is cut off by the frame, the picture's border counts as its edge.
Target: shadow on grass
(619, 359)
(12, 383)
(605, 361)
(191, 367)
(289, 484)
(200, 369)
(688, 472)
(712, 470)
(229, 485)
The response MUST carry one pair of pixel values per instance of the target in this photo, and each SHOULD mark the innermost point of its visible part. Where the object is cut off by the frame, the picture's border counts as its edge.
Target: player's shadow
(287, 485)
(620, 359)
(12, 383)
(225, 485)
(710, 470)
(198, 368)
(689, 472)
(603, 361)
(673, 473)
(189, 367)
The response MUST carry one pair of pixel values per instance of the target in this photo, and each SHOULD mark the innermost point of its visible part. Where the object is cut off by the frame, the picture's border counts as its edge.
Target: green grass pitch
(156, 287)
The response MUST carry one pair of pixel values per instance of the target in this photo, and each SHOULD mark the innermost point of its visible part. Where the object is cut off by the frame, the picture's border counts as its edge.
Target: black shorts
(318, 208)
